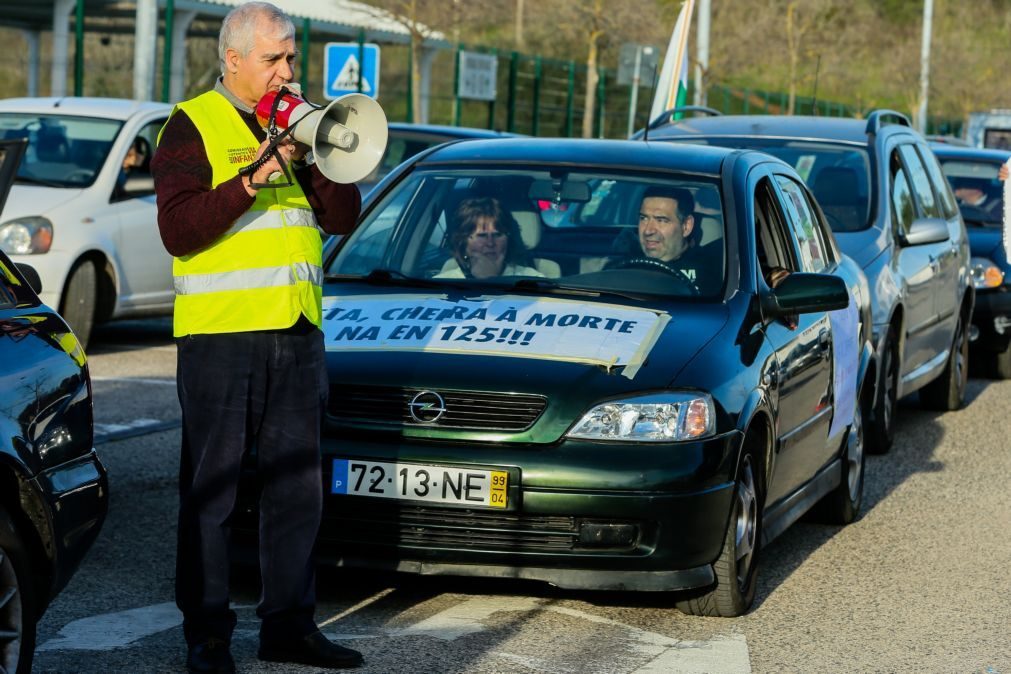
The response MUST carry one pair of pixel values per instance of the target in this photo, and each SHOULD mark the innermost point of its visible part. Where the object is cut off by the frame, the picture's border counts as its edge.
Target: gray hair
(239, 27)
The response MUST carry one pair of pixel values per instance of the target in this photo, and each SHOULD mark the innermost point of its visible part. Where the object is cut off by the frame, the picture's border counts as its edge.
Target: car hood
(541, 350)
(28, 200)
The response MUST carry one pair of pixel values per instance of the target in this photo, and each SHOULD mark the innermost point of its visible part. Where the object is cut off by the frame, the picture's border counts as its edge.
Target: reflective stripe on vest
(266, 269)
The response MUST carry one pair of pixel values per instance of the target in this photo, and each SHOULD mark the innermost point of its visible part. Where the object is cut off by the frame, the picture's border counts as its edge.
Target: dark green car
(523, 385)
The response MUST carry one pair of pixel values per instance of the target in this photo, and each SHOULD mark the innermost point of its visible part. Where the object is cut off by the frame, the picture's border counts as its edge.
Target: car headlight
(26, 236)
(662, 417)
(985, 274)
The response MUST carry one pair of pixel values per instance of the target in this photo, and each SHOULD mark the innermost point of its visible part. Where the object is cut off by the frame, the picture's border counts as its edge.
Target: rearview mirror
(925, 230)
(553, 190)
(804, 293)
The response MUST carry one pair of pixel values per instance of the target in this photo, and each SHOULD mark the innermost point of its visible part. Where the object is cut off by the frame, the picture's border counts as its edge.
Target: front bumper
(992, 318)
(647, 518)
(68, 504)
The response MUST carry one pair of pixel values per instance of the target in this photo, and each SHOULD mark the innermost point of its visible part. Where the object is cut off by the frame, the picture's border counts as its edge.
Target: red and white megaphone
(347, 137)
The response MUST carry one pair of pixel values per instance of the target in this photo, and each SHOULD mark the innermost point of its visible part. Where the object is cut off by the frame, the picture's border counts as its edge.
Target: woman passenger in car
(485, 242)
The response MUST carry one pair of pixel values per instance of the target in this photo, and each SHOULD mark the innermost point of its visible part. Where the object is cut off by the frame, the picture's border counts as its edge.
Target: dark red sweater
(191, 215)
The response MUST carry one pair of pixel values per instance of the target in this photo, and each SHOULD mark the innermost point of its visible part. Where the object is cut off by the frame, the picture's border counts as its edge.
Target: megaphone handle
(269, 152)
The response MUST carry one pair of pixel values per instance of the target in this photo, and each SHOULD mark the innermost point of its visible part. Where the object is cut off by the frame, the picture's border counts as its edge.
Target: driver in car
(669, 238)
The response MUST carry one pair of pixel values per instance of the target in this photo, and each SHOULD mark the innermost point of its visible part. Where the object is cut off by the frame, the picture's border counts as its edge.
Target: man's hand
(1003, 172)
(262, 175)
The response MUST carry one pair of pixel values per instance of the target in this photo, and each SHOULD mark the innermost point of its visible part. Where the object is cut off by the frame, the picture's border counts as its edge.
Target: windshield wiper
(37, 181)
(548, 286)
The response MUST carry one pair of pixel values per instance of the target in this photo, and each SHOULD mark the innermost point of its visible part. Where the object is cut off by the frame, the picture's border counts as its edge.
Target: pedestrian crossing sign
(344, 63)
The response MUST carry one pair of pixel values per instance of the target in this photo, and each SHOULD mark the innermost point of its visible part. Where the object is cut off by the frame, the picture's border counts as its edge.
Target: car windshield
(838, 175)
(63, 151)
(980, 193)
(544, 228)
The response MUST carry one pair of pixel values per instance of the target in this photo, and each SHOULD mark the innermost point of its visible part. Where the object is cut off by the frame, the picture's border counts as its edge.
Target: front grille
(419, 526)
(465, 410)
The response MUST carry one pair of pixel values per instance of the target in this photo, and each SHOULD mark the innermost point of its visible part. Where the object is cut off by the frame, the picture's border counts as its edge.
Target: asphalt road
(919, 584)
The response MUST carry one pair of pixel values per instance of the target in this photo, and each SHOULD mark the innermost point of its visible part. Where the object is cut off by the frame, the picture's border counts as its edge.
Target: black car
(890, 208)
(972, 173)
(53, 487)
(406, 140)
(591, 416)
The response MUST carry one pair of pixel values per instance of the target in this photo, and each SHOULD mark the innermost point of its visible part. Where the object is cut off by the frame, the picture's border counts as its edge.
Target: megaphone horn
(347, 137)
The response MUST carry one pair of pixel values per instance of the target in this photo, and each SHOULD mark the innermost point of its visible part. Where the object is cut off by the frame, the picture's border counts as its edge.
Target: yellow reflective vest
(266, 270)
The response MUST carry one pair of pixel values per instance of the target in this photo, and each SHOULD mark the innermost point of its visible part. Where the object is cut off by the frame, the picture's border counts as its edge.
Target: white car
(83, 221)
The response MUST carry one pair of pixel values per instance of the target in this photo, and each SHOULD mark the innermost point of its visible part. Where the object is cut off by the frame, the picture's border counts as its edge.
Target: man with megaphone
(251, 371)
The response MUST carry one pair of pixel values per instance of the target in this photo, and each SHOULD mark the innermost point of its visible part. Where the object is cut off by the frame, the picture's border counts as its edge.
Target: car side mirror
(32, 276)
(925, 230)
(805, 293)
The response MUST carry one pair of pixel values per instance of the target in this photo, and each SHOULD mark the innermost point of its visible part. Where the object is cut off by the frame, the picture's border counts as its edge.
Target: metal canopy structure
(175, 19)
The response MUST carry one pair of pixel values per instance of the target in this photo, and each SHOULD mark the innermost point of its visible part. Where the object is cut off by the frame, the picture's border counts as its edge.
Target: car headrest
(51, 145)
(530, 227)
(837, 186)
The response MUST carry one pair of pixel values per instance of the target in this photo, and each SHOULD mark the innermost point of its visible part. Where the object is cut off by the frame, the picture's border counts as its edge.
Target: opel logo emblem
(427, 407)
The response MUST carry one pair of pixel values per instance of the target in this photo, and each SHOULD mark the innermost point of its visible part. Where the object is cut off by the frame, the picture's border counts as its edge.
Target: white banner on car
(600, 334)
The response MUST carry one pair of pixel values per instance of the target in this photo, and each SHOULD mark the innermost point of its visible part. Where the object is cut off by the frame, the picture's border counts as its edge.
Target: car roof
(450, 131)
(83, 106)
(580, 152)
(958, 152)
(839, 129)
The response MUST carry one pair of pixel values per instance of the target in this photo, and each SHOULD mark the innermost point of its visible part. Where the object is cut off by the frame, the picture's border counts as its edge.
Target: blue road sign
(342, 64)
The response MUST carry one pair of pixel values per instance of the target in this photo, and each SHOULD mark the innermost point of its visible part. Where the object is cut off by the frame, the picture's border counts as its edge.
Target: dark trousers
(238, 391)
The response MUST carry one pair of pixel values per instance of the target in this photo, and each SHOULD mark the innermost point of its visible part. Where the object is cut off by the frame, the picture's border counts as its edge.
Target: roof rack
(665, 117)
(879, 118)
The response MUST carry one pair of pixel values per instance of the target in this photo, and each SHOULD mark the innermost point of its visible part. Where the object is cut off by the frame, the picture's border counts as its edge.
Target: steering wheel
(79, 176)
(651, 264)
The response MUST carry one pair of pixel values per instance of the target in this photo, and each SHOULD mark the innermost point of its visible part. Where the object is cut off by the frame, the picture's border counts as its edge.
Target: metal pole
(361, 66)
(634, 99)
(79, 50)
(166, 59)
(702, 51)
(304, 65)
(928, 15)
(32, 38)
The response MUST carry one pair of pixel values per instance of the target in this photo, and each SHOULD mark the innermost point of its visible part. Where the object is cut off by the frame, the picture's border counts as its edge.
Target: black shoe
(210, 657)
(315, 650)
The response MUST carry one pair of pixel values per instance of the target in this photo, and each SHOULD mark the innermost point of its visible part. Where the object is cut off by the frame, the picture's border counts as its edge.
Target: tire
(947, 392)
(79, 299)
(842, 504)
(737, 566)
(880, 429)
(17, 608)
(996, 364)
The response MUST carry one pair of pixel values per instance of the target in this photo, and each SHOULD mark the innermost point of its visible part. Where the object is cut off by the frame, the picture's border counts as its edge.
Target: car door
(801, 345)
(145, 279)
(916, 265)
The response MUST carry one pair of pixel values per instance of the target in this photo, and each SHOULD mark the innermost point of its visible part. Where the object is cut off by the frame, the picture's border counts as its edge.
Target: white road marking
(135, 380)
(360, 605)
(723, 654)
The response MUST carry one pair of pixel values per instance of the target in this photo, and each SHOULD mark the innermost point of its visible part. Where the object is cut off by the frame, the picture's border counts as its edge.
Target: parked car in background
(82, 218)
(891, 210)
(407, 140)
(973, 176)
(593, 417)
(53, 488)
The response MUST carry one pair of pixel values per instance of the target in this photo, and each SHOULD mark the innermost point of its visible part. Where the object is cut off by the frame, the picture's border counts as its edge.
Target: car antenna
(814, 96)
(652, 93)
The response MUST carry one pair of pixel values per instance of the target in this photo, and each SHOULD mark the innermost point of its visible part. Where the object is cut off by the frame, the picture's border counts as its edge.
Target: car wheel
(880, 432)
(947, 392)
(737, 566)
(79, 297)
(17, 616)
(842, 504)
(996, 364)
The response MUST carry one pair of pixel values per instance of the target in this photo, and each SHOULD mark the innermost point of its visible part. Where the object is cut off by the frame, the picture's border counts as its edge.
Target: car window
(903, 210)
(838, 175)
(804, 224)
(977, 190)
(775, 254)
(581, 227)
(63, 150)
(919, 181)
(949, 206)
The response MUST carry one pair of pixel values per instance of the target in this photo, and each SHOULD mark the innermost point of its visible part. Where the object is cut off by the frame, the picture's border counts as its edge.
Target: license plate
(417, 482)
